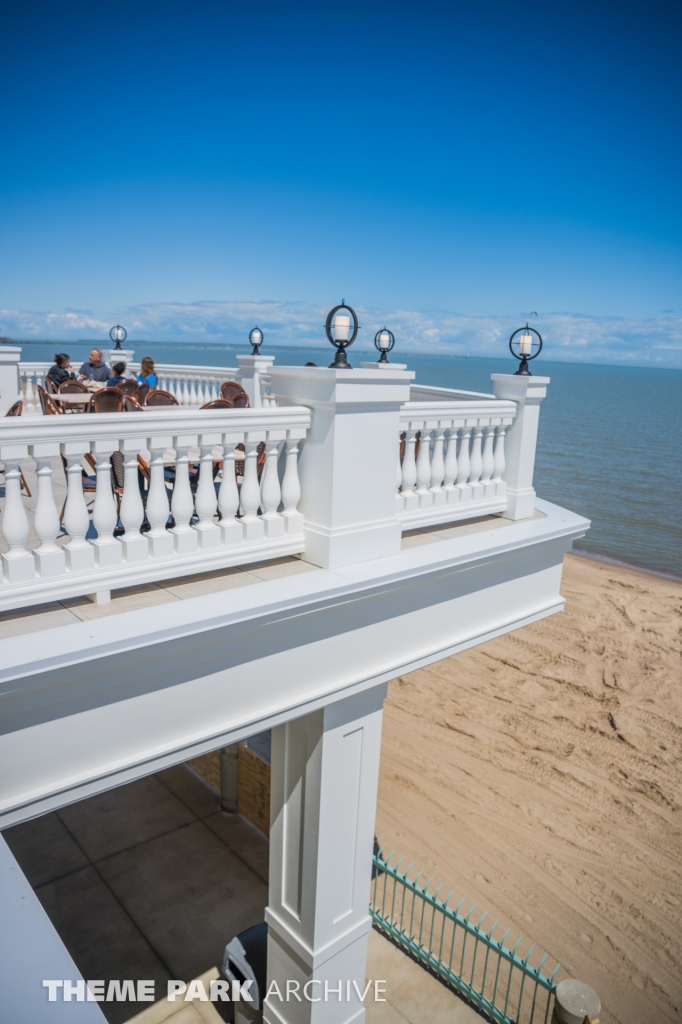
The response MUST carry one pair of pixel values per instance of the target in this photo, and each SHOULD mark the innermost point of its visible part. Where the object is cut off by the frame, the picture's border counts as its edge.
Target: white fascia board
(86, 641)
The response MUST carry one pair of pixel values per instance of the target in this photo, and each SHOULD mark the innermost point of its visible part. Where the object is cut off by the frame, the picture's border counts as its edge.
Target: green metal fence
(497, 979)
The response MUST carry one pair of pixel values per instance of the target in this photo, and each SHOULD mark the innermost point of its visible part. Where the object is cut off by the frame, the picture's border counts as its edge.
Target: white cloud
(568, 336)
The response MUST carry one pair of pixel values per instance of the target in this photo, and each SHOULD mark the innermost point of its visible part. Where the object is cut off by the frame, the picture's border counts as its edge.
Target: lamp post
(339, 333)
(522, 348)
(117, 335)
(384, 340)
(256, 339)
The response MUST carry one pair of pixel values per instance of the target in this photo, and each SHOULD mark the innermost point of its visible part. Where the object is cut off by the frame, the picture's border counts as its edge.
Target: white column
(424, 468)
(399, 500)
(135, 545)
(50, 559)
(270, 490)
(291, 486)
(488, 463)
(325, 770)
(10, 385)
(450, 472)
(231, 529)
(438, 467)
(347, 463)
(464, 465)
(499, 460)
(250, 492)
(410, 498)
(250, 369)
(159, 538)
(80, 555)
(108, 550)
(528, 393)
(18, 564)
(476, 464)
(206, 500)
(182, 502)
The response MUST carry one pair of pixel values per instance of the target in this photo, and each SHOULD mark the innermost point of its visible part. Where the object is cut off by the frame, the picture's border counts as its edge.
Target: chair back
(158, 398)
(48, 405)
(229, 389)
(128, 387)
(71, 387)
(241, 401)
(16, 409)
(219, 403)
(131, 404)
(50, 386)
(142, 392)
(107, 400)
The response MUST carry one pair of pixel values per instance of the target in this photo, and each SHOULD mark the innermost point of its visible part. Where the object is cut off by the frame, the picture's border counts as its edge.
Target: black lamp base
(523, 370)
(340, 362)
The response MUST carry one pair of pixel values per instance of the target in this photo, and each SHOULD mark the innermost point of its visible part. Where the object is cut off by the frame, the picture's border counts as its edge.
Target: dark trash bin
(245, 959)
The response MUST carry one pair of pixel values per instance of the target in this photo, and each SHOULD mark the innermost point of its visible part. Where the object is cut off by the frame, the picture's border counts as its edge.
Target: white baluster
(18, 563)
(464, 465)
(215, 394)
(185, 396)
(476, 465)
(270, 491)
(438, 468)
(291, 487)
(182, 503)
(399, 501)
(193, 392)
(228, 497)
(410, 499)
(424, 469)
(250, 494)
(108, 550)
(80, 556)
(206, 501)
(488, 463)
(450, 473)
(500, 462)
(135, 546)
(159, 538)
(50, 559)
(29, 396)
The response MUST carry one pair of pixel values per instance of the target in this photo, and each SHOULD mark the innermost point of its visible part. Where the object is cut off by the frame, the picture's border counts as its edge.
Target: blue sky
(445, 166)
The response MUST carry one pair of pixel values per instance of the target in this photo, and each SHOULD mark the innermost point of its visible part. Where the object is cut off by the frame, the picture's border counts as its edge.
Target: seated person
(118, 374)
(61, 369)
(95, 369)
(146, 374)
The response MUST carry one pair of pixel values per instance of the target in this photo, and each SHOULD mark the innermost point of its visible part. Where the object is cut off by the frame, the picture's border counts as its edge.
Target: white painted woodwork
(499, 461)
(231, 529)
(488, 462)
(438, 467)
(464, 465)
(108, 550)
(325, 771)
(528, 393)
(347, 497)
(291, 487)
(50, 559)
(450, 466)
(80, 556)
(10, 383)
(250, 493)
(270, 491)
(159, 538)
(135, 546)
(424, 469)
(206, 501)
(18, 564)
(251, 371)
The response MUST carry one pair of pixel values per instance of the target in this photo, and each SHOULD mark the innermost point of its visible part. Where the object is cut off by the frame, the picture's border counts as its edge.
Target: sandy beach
(540, 775)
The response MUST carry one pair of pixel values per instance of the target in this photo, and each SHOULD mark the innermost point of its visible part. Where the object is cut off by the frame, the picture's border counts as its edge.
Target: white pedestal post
(519, 449)
(348, 459)
(250, 370)
(10, 386)
(120, 355)
(325, 770)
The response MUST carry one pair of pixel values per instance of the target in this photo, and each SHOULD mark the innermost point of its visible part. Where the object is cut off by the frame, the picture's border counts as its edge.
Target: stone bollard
(575, 1003)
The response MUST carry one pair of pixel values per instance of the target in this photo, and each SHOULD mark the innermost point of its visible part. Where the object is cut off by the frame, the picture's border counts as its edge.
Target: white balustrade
(70, 563)
(458, 471)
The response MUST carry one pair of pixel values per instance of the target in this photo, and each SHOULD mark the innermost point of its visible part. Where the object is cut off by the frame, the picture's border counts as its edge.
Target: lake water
(609, 446)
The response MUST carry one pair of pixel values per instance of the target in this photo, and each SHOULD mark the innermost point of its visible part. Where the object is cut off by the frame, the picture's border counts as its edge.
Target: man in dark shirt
(95, 369)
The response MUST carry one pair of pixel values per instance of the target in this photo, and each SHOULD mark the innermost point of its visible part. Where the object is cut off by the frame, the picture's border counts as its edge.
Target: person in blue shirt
(118, 371)
(146, 374)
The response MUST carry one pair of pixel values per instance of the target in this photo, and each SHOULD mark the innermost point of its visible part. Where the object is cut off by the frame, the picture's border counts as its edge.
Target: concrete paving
(151, 880)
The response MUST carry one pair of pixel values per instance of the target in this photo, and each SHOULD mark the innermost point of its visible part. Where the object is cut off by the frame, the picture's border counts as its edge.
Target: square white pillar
(521, 439)
(251, 369)
(325, 770)
(10, 385)
(347, 465)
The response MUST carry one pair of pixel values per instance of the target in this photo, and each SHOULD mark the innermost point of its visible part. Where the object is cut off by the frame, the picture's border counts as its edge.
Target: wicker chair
(107, 400)
(229, 389)
(128, 387)
(141, 393)
(131, 404)
(50, 386)
(156, 399)
(219, 403)
(48, 405)
(74, 387)
(241, 401)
